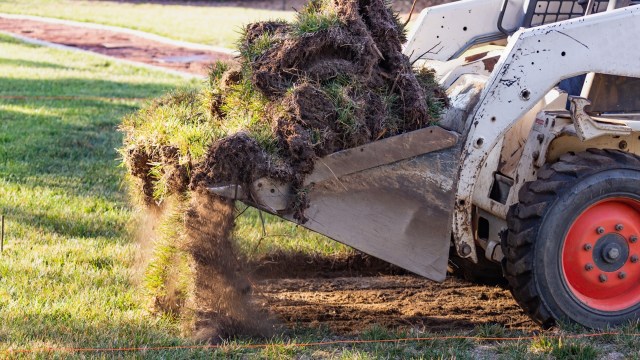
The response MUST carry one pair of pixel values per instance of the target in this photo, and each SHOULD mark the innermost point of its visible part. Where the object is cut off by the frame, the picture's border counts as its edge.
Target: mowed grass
(212, 25)
(66, 274)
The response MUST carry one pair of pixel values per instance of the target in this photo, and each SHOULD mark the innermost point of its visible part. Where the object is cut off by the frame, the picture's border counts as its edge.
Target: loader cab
(609, 94)
(542, 12)
(464, 51)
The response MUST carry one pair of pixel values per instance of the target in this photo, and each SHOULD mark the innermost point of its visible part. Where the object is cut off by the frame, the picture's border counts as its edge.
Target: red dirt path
(116, 44)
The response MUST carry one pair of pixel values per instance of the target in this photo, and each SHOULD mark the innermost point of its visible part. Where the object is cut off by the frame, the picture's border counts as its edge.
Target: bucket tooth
(233, 191)
(264, 193)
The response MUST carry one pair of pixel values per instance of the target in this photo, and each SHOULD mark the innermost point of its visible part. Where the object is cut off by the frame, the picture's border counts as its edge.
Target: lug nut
(588, 267)
(634, 258)
(619, 227)
(587, 247)
(622, 275)
(633, 238)
(599, 230)
(602, 277)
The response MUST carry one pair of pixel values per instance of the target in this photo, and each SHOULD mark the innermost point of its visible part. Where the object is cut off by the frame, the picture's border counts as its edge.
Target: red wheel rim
(600, 255)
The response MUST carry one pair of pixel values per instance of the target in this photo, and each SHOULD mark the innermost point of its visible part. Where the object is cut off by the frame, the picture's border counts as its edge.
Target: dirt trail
(351, 293)
(348, 305)
(116, 44)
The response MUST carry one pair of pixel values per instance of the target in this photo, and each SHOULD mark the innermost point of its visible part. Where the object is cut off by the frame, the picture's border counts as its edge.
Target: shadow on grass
(66, 148)
(73, 86)
(59, 149)
(32, 64)
(74, 225)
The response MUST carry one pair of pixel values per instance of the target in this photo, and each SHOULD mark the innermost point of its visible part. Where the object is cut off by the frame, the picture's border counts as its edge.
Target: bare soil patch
(349, 305)
(119, 45)
(305, 266)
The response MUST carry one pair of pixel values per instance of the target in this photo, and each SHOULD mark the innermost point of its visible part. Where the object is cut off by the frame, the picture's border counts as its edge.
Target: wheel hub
(611, 252)
(600, 255)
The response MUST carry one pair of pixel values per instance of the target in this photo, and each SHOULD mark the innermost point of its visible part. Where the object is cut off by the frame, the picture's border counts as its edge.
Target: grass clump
(180, 119)
(289, 100)
(315, 16)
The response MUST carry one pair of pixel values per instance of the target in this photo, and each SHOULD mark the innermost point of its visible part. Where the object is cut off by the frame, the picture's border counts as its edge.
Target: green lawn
(66, 274)
(65, 271)
(209, 25)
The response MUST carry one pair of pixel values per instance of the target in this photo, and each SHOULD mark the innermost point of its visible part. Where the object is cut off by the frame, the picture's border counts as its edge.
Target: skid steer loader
(535, 166)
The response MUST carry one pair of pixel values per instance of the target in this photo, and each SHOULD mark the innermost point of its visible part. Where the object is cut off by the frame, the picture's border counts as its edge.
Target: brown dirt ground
(349, 305)
(118, 45)
(343, 295)
(349, 294)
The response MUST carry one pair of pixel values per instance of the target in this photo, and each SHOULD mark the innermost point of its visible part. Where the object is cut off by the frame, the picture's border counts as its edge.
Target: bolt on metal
(622, 275)
(588, 267)
(587, 247)
(602, 277)
(634, 258)
(599, 230)
(619, 227)
(633, 238)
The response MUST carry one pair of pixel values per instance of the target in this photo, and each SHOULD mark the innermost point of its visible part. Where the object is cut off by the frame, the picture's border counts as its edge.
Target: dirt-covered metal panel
(400, 212)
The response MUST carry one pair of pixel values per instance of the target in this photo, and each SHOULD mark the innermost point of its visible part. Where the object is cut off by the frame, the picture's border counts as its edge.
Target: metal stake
(2, 234)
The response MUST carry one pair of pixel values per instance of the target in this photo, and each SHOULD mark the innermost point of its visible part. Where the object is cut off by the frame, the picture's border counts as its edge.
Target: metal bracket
(268, 194)
(588, 127)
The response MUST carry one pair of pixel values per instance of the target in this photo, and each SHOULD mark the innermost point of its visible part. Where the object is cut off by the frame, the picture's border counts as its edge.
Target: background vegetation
(218, 25)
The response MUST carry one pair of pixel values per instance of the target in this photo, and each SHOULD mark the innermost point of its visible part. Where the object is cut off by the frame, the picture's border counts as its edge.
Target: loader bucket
(392, 199)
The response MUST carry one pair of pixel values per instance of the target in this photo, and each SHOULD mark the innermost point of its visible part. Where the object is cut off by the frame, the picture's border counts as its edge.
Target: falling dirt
(222, 292)
(145, 232)
(349, 305)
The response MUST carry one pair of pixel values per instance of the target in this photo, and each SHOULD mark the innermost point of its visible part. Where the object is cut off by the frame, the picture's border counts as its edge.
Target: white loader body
(515, 79)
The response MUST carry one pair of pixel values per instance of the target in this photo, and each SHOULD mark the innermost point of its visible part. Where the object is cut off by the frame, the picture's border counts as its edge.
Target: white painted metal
(589, 128)
(445, 30)
(534, 61)
(520, 137)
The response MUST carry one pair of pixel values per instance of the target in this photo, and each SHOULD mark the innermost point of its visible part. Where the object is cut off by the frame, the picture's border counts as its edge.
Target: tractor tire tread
(525, 217)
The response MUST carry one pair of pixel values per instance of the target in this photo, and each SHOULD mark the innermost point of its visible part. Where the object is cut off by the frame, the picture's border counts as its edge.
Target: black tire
(539, 228)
